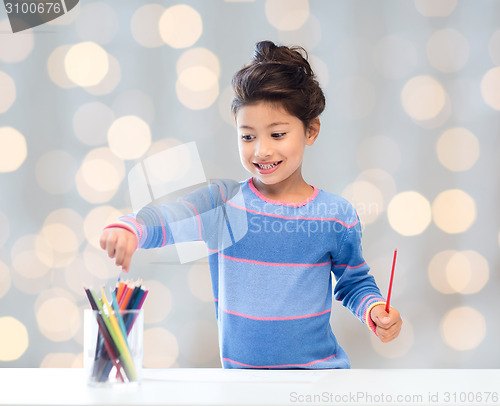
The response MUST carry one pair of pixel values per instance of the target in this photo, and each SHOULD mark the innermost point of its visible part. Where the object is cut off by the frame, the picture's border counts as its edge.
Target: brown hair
(282, 75)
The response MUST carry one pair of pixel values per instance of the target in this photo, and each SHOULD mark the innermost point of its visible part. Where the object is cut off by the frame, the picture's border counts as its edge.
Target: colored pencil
(112, 348)
(387, 305)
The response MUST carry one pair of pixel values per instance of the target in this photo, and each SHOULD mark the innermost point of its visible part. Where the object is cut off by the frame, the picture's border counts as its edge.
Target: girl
(274, 241)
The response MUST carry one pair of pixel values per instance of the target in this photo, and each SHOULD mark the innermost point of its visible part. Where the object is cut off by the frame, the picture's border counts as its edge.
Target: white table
(254, 387)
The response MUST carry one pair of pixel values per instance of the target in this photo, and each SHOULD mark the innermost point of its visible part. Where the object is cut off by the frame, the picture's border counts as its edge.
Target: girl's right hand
(120, 244)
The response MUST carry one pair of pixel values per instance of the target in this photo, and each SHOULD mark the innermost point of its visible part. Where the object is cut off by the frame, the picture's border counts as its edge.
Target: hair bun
(264, 51)
(293, 57)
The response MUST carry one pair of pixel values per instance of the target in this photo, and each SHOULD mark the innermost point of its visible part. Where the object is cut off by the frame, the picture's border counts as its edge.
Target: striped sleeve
(355, 287)
(191, 218)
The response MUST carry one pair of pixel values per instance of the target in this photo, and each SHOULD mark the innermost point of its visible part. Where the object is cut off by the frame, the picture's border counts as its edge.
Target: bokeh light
(180, 26)
(61, 360)
(409, 213)
(454, 211)
(62, 233)
(110, 81)
(159, 302)
(14, 339)
(97, 22)
(448, 50)
(8, 95)
(423, 97)
(29, 262)
(57, 315)
(145, 25)
(490, 88)
(287, 15)
(86, 63)
(382, 180)
(100, 175)
(161, 348)
(96, 220)
(464, 272)
(458, 149)
(91, 123)
(55, 67)
(396, 348)
(129, 137)
(200, 283)
(55, 172)
(15, 48)
(395, 57)
(467, 272)
(463, 328)
(198, 73)
(13, 149)
(436, 271)
(433, 8)
(366, 198)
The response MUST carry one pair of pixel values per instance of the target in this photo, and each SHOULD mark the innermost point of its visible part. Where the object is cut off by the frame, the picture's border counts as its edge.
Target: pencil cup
(112, 347)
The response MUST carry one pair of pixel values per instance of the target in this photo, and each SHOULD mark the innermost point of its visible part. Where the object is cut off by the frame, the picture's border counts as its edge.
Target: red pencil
(387, 305)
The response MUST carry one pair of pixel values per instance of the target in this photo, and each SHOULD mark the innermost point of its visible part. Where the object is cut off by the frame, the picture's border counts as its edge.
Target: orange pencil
(119, 292)
(126, 297)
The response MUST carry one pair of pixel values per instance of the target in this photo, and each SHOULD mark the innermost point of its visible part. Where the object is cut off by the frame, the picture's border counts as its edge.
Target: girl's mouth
(268, 167)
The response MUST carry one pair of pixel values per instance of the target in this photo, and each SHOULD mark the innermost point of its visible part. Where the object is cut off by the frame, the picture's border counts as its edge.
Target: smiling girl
(274, 241)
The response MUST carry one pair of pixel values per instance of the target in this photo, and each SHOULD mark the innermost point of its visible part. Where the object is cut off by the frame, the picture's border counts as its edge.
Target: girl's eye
(277, 135)
(246, 137)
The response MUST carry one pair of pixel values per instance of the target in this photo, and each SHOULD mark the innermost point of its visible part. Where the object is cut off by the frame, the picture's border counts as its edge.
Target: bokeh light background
(411, 135)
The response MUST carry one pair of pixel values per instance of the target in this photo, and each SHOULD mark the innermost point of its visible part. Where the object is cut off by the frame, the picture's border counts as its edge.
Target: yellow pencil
(120, 341)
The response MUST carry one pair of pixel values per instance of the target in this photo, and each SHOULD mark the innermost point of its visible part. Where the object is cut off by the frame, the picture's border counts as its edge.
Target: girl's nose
(262, 148)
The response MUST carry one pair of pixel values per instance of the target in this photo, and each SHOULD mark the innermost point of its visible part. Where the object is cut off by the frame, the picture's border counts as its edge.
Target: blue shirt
(271, 266)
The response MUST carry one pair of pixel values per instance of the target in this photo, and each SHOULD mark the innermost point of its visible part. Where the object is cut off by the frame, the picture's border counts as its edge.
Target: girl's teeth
(269, 166)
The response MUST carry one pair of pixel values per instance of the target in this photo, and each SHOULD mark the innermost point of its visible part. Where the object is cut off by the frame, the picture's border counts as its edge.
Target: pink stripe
(370, 302)
(198, 217)
(349, 267)
(289, 218)
(304, 316)
(373, 299)
(360, 303)
(164, 233)
(252, 261)
(280, 366)
(280, 202)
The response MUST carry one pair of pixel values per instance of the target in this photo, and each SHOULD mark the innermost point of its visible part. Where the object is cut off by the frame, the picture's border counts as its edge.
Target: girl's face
(272, 142)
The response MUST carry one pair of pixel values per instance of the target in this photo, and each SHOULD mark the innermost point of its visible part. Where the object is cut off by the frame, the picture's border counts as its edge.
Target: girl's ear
(312, 131)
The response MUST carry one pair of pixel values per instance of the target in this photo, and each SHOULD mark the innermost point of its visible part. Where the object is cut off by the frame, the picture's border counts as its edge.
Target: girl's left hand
(388, 324)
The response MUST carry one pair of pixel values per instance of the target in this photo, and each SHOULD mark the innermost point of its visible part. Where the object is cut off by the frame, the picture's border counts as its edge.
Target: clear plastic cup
(113, 346)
